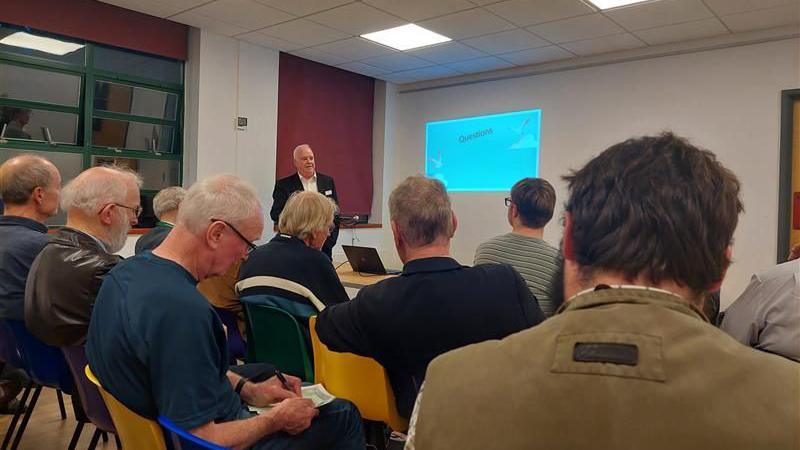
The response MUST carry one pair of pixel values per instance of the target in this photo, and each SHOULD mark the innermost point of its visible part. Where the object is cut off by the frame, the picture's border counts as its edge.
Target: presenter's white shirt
(309, 184)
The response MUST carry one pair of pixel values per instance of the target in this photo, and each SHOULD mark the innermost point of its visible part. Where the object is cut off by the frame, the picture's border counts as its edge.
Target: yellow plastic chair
(361, 380)
(135, 431)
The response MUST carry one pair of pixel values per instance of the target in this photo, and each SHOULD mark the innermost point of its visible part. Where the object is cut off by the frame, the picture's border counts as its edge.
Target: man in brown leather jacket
(102, 203)
(629, 361)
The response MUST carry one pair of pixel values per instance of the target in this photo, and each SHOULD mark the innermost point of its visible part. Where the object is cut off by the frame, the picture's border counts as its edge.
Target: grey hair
(96, 187)
(421, 209)
(168, 199)
(221, 197)
(300, 147)
(306, 212)
(20, 175)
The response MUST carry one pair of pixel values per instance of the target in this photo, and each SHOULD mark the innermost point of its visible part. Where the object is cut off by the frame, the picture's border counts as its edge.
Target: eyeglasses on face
(508, 201)
(250, 245)
(137, 210)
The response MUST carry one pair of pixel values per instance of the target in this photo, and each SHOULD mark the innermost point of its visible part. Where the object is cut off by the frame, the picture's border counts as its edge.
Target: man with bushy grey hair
(160, 349)
(165, 205)
(102, 204)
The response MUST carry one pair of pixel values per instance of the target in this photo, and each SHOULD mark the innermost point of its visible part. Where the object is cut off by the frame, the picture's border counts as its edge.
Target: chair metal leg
(95, 438)
(28, 413)
(61, 404)
(104, 435)
(119, 444)
(76, 435)
(13, 425)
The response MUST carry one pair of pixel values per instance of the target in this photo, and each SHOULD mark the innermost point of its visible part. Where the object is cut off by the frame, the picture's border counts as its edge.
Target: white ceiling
(487, 34)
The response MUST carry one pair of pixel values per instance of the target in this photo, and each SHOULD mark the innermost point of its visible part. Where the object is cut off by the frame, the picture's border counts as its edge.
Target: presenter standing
(306, 179)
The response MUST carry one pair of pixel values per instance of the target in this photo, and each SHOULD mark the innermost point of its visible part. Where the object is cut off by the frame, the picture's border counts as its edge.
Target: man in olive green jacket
(629, 362)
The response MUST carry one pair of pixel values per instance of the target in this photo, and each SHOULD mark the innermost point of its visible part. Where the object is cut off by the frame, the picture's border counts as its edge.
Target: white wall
(724, 100)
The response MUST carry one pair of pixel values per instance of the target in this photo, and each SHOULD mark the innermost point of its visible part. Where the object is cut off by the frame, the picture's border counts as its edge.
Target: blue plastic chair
(46, 367)
(178, 439)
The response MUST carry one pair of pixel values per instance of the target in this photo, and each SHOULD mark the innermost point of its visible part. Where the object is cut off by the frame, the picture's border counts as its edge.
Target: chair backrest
(274, 336)
(236, 346)
(133, 430)
(361, 380)
(45, 364)
(178, 439)
(88, 393)
(9, 352)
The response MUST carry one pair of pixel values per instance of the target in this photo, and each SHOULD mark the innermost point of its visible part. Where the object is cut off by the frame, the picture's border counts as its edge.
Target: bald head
(99, 186)
(304, 160)
(30, 187)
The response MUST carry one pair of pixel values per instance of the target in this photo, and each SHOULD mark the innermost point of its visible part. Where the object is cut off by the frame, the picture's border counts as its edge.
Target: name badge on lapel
(329, 192)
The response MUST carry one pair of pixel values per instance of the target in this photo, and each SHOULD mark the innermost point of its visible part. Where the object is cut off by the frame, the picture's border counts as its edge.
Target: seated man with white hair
(160, 349)
(102, 204)
(165, 207)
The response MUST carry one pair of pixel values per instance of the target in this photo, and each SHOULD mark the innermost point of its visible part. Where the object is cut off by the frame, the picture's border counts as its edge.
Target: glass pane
(138, 65)
(24, 83)
(156, 173)
(69, 165)
(41, 46)
(136, 100)
(132, 135)
(35, 124)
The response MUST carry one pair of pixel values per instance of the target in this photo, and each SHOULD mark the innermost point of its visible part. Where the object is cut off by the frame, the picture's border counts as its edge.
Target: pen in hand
(283, 380)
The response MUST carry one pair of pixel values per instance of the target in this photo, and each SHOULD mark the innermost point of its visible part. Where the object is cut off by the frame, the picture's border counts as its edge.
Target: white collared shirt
(309, 184)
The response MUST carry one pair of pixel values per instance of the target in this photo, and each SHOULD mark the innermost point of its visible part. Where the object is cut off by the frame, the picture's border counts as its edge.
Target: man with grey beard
(102, 204)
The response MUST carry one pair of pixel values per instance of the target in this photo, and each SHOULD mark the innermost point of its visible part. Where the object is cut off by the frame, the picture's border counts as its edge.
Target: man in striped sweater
(530, 208)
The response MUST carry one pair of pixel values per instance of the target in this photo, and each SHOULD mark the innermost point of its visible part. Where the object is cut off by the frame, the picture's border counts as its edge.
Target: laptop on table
(366, 260)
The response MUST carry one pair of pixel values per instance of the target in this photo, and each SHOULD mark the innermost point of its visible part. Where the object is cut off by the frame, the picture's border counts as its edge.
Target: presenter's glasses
(508, 201)
(250, 245)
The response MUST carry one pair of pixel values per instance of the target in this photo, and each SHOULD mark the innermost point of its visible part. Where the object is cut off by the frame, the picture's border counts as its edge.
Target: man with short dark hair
(530, 208)
(435, 305)
(630, 361)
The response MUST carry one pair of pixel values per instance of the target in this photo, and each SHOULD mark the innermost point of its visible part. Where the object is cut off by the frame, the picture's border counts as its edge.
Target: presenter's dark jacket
(434, 306)
(285, 187)
(62, 286)
(152, 238)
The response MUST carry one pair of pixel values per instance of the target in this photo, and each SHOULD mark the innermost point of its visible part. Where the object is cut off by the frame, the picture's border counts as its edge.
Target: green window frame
(86, 112)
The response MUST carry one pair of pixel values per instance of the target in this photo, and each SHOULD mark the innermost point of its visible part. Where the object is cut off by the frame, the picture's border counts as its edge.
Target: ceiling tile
(577, 28)
(259, 38)
(763, 18)
(426, 73)
(531, 12)
(605, 44)
(726, 7)
(357, 19)
(480, 65)
(414, 10)
(320, 57)
(363, 69)
(683, 32)
(303, 7)
(659, 13)
(396, 62)
(447, 52)
(304, 33)
(464, 24)
(207, 23)
(243, 13)
(537, 55)
(507, 41)
(354, 49)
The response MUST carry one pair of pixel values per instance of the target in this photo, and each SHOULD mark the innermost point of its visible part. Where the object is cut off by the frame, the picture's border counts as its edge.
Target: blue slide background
(486, 153)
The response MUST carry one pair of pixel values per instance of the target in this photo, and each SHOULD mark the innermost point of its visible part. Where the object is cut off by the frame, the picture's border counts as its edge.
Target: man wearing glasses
(102, 204)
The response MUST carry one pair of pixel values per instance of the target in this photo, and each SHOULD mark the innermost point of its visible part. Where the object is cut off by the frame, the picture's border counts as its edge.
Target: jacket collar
(81, 239)
(598, 298)
(434, 264)
(24, 222)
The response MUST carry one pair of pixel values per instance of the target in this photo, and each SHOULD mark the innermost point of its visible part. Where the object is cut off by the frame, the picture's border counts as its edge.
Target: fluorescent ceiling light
(406, 37)
(40, 43)
(608, 4)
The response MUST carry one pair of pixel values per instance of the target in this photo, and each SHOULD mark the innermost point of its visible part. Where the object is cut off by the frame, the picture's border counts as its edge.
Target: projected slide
(486, 153)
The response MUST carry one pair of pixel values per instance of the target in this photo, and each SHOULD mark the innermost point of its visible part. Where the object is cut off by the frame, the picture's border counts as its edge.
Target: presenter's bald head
(304, 160)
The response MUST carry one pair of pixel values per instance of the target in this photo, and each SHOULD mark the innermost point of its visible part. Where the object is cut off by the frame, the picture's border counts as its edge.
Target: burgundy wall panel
(331, 110)
(100, 22)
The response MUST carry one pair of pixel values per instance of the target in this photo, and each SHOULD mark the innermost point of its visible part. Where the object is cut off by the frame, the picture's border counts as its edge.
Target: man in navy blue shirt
(157, 345)
(31, 189)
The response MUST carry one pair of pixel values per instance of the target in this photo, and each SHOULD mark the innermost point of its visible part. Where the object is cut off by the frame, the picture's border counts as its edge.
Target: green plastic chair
(274, 336)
